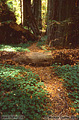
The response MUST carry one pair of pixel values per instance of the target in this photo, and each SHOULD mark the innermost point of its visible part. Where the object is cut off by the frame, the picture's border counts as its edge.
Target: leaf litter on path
(60, 103)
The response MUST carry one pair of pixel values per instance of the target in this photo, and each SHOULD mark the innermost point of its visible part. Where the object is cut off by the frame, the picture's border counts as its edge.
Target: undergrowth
(70, 75)
(19, 47)
(42, 41)
(42, 44)
(22, 93)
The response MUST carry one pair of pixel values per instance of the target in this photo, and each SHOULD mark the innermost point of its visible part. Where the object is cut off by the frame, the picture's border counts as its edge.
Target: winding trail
(58, 95)
(60, 103)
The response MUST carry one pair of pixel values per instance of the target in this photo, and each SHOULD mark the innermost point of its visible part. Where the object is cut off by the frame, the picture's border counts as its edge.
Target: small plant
(22, 93)
(70, 76)
(42, 42)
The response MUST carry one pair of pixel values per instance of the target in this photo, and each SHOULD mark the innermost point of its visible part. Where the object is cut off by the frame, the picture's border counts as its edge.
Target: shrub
(22, 93)
(70, 75)
(42, 41)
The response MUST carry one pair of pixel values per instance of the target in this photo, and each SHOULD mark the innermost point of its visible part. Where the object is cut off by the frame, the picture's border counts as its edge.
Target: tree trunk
(41, 58)
(28, 17)
(13, 33)
(21, 9)
(36, 9)
(49, 13)
(59, 14)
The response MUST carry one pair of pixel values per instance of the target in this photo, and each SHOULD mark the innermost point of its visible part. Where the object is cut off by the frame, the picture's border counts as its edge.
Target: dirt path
(57, 93)
(58, 96)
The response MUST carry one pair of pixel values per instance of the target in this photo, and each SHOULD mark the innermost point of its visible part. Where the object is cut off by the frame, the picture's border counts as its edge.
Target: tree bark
(36, 9)
(28, 17)
(21, 9)
(13, 33)
(41, 58)
(59, 14)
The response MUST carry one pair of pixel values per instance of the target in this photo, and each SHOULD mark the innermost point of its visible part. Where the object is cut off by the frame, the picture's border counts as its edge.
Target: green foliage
(5, 14)
(22, 93)
(70, 75)
(42, 41)
(19, 47)
(42, 44)
(44, 14)
(15, 7)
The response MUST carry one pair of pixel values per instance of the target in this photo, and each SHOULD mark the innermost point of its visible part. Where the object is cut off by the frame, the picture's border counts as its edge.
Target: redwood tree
(36, 9)
(28, 17)
(59, 19)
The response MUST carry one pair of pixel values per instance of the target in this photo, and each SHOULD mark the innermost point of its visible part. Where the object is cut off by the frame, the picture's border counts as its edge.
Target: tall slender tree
(36, 9)
(21, 9)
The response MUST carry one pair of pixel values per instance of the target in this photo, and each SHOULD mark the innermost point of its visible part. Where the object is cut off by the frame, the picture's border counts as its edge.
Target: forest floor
(58, 95)
(60, 102)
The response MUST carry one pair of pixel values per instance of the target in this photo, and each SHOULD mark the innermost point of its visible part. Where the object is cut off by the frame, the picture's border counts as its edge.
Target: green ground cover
(22, 93)
(19, 47)
(70, 76)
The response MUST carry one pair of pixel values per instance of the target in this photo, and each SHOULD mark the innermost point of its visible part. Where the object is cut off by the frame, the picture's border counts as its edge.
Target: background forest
(39, 59)
(58, 19)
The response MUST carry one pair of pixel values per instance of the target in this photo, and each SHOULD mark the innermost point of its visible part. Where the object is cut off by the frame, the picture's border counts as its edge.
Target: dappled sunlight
(14, 48)
(39, 58)
(15, 6)
(20, 85)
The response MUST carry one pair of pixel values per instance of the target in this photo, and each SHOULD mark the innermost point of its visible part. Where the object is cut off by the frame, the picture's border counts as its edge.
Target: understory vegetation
(42, 41)
(22, 93)
(16, 48)
(70, 76)
(39, 41)
(15, 7)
